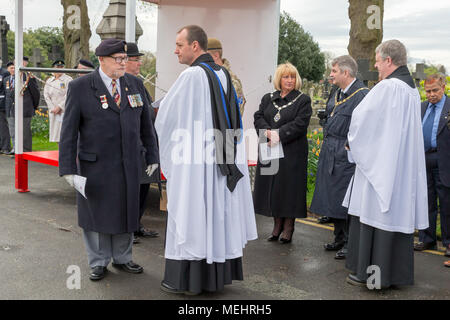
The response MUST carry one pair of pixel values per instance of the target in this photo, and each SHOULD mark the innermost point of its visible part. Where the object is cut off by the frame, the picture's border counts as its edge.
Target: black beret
(10, 63)
(58, 62)
(110, 46)
(133, 50)
(25, 58)
(86, 63)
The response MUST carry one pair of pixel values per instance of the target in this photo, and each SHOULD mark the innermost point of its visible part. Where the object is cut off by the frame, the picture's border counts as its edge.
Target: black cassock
(284, 193)
(334, 171)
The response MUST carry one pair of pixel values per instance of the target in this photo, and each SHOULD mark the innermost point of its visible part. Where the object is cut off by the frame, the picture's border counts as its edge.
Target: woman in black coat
(283, 117)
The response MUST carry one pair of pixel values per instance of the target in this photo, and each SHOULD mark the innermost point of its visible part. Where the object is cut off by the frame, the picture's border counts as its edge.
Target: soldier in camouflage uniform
(215, 50)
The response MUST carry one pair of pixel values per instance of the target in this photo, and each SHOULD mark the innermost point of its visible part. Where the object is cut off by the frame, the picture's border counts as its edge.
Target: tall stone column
(4, 28)
(77, 31)
(366, 31)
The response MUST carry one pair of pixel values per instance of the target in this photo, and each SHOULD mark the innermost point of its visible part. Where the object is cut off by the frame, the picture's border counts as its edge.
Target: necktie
(12, 82)
(428, 128)
(115, 92)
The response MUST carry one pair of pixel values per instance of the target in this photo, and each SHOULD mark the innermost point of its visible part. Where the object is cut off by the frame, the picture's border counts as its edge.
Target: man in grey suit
(436, 133)
(106, 118)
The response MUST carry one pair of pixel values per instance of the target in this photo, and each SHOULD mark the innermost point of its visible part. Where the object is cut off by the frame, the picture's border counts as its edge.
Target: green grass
(41, 143)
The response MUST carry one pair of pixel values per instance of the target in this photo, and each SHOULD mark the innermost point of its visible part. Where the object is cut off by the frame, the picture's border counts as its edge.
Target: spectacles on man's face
(119, 59)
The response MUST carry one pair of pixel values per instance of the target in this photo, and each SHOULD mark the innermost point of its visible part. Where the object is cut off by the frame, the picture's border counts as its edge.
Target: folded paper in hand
(79, 183)
(271, 152)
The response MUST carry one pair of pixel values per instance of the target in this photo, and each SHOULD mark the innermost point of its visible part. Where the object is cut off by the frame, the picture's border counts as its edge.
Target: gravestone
(420, 74)
(55, 54)
(113, 23)
(364, 72)
(4, 28)
(37, 58)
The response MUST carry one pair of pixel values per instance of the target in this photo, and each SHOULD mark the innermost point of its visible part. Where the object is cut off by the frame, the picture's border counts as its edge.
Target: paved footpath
(40, 239)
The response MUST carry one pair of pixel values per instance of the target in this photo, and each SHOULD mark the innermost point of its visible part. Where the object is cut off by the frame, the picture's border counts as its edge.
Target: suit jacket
(443, 141)
(107, 141)
(31, 98)
(3, 75)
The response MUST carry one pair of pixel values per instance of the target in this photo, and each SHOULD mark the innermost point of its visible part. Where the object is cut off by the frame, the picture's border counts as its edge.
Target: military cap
(214, 44)
(133, 50)
(110, 46)
(58, 63)
(10, 63)
(86, 63)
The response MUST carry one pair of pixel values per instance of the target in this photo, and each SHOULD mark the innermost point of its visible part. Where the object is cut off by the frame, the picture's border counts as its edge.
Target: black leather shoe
(420, 246)
(136, 240)
(273, 238)
(146, 233)
(341, 254)
(130, 267)
(324, 219)
(167, 288)
(335, 246)
(10, 153)
(354, 280)
(98, 273)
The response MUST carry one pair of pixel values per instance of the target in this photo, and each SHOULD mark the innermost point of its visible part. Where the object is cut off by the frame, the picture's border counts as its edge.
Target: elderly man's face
(434, 92)
(134, 65)
(114, 65)
(184, 50)
(383, 66)
(338, 76)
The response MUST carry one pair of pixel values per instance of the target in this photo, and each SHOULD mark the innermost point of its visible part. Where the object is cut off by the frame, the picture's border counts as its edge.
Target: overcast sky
(420, 25)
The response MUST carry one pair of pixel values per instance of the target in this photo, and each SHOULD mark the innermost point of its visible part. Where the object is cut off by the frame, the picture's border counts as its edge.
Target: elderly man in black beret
(105, 120)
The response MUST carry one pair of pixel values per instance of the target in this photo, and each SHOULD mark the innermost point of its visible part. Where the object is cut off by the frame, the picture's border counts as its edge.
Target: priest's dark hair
(195, 33)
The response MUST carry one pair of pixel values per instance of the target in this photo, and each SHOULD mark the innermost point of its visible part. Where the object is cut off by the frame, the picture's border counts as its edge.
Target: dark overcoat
(31, 97)
(443, 141)
(334, 171)
(108, 145)
(284, 193)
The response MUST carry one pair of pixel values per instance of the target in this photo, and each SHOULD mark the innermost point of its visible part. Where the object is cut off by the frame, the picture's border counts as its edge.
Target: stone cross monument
(4, 28)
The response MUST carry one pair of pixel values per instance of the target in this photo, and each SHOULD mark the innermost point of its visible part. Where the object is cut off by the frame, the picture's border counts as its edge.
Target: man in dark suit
(106, 119)
(436, 132)
(133, 67)
(5, 139)
(31, 96)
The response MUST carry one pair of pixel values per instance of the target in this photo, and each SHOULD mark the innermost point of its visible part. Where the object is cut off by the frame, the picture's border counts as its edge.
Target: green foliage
(315, 140)
(43, 38)
(299, 48)
(40, 125)
(148, 67)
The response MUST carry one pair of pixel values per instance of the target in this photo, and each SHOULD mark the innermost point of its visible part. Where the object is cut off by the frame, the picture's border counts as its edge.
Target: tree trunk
(366, 31)
(76, 31)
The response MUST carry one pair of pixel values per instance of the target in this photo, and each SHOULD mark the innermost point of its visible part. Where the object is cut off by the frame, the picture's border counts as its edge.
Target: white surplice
(389, 188)
(205, 219)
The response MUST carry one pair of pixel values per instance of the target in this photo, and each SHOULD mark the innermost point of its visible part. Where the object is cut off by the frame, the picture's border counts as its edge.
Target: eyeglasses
(119, 59)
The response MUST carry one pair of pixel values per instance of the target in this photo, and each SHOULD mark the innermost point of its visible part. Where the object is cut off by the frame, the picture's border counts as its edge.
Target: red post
(21, 173)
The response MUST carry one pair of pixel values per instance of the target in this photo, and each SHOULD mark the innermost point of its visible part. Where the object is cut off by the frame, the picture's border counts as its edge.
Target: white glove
(69, 179)
(151, 168)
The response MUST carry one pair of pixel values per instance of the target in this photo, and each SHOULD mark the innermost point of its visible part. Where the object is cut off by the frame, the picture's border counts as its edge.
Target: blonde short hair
(286, 69)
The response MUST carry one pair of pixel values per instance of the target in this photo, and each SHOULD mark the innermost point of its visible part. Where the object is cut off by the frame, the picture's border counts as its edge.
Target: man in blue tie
(436, 134)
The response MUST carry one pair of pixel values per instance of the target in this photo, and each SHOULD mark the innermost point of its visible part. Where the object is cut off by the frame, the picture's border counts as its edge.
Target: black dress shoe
(324, 219)
(341, 254)
(420, 246)
(130, 267)
(146, 233)
(285, 241)
(354, 280)
(273, 238)
(98, 273)
(167, 288)
(10, 153)
(335, 246)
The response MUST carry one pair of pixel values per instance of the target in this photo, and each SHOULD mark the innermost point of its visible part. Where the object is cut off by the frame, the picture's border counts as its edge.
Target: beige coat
(237, 85)
(55, 91)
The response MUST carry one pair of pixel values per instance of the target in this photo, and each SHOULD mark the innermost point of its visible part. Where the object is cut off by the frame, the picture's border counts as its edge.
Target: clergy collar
(206, 58)
(289, 97)
(402, 73)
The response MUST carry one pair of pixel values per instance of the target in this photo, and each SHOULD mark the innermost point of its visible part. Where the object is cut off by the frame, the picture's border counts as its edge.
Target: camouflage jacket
(237, 85)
